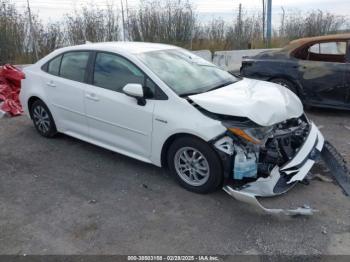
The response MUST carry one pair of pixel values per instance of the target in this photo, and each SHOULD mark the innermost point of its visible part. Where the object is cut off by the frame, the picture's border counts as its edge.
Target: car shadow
(106, 154)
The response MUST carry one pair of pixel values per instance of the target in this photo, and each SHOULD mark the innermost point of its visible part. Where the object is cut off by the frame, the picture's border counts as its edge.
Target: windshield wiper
(211, 89)
(189, 94)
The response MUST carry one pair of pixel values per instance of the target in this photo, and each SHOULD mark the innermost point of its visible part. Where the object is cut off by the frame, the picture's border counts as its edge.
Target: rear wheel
(195, 165)
(42, 119)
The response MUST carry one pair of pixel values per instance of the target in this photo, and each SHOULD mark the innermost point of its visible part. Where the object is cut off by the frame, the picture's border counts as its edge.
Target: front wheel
(195, 165)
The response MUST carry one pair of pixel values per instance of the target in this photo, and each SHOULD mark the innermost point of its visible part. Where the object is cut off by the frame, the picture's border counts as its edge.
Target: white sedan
(164, 105)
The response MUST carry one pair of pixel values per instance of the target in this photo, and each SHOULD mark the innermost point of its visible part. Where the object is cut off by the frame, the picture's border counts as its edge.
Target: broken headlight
(255, 135)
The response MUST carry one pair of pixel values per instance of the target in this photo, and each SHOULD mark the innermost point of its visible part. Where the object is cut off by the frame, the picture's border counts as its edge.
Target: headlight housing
(255, 135)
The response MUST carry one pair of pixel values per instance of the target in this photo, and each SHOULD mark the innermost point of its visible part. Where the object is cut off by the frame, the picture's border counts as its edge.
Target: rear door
(66, 87)
(115, 120)
(324, 72)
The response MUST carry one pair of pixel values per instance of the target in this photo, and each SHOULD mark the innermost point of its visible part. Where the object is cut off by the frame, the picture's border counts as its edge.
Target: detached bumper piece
(282, 179)
(337, 166)
(251, 199)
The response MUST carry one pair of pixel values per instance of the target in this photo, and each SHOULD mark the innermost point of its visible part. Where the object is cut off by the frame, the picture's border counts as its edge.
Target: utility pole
(269, 22)
(32, 32)
(127, 19)
(240, 16)
(240, 24)
(127, 9)
(263, 21)
(121, 1)
(282, 22)
(191, 33)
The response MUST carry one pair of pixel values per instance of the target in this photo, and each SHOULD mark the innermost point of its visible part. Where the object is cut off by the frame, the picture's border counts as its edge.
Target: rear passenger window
(73, 65)
(54, 66)
(329, 48)
(327, 52)
(114, 72)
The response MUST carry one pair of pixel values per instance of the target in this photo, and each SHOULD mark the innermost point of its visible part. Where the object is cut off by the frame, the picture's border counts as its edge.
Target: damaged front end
(268, 161)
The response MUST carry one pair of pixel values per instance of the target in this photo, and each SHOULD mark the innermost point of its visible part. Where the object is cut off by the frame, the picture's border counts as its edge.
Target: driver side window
(114, 72)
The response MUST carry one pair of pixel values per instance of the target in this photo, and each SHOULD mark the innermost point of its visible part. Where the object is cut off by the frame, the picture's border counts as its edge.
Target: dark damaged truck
(317, 69)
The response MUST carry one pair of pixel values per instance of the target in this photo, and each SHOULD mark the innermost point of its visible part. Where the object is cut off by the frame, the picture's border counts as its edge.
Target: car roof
(302, 41)
(323, 38)
(128, 47)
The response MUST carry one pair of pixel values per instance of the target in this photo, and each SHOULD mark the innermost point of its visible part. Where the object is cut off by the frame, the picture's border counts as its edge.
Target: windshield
(184, 72)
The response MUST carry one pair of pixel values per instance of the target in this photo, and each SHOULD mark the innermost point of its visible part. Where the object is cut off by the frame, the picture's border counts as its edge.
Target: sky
(53, 10)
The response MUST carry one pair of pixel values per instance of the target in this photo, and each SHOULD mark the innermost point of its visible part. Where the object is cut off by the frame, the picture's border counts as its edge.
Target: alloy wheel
(41, 119)
(192, 166)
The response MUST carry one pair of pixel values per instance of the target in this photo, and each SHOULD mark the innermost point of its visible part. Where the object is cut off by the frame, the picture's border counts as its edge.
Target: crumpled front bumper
(281, 179)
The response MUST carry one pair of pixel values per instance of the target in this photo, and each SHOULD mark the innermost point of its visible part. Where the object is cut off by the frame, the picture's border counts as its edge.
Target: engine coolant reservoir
(245, 165)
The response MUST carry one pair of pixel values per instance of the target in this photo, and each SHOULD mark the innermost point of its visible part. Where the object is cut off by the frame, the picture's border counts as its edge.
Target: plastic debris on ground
(10, 86)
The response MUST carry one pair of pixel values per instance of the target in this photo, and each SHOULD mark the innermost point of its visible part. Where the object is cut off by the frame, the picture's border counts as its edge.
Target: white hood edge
(262, 102)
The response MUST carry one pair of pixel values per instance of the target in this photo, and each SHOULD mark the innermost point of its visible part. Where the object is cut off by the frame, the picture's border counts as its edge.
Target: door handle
(92, 97)
(51, 84)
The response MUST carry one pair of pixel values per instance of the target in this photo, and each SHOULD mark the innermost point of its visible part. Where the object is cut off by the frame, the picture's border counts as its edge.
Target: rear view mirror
(136, 91)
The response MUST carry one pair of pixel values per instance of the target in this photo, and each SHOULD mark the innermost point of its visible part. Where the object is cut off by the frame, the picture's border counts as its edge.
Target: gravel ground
(64, 196)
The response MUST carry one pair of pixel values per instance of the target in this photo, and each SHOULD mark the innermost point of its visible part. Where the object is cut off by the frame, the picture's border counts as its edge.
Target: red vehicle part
(10, 86)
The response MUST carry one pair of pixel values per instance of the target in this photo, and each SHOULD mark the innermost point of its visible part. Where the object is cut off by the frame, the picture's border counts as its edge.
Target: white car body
(116, 122)
(140, 131)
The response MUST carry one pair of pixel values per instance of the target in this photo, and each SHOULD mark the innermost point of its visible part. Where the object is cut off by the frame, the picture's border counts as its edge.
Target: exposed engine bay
(284, 142)
(272, 163)
(280, 145)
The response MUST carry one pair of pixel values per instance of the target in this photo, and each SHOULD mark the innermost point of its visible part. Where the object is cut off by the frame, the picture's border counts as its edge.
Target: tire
(199, 172)
(42, 119)
(286, 83)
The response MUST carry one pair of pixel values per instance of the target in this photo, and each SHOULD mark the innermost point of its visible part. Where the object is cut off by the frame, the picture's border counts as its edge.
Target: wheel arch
(294, 81)
(168, 142)
(30, 103)
(32, 100)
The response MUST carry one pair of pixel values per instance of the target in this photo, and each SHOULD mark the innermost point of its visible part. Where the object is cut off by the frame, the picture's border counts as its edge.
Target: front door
(323, 74)
(116, 120)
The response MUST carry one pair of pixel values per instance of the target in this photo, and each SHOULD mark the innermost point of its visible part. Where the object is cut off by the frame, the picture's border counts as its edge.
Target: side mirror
(135, 91)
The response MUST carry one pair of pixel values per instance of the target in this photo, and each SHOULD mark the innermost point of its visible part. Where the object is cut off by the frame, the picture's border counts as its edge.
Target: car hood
(262, 102)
